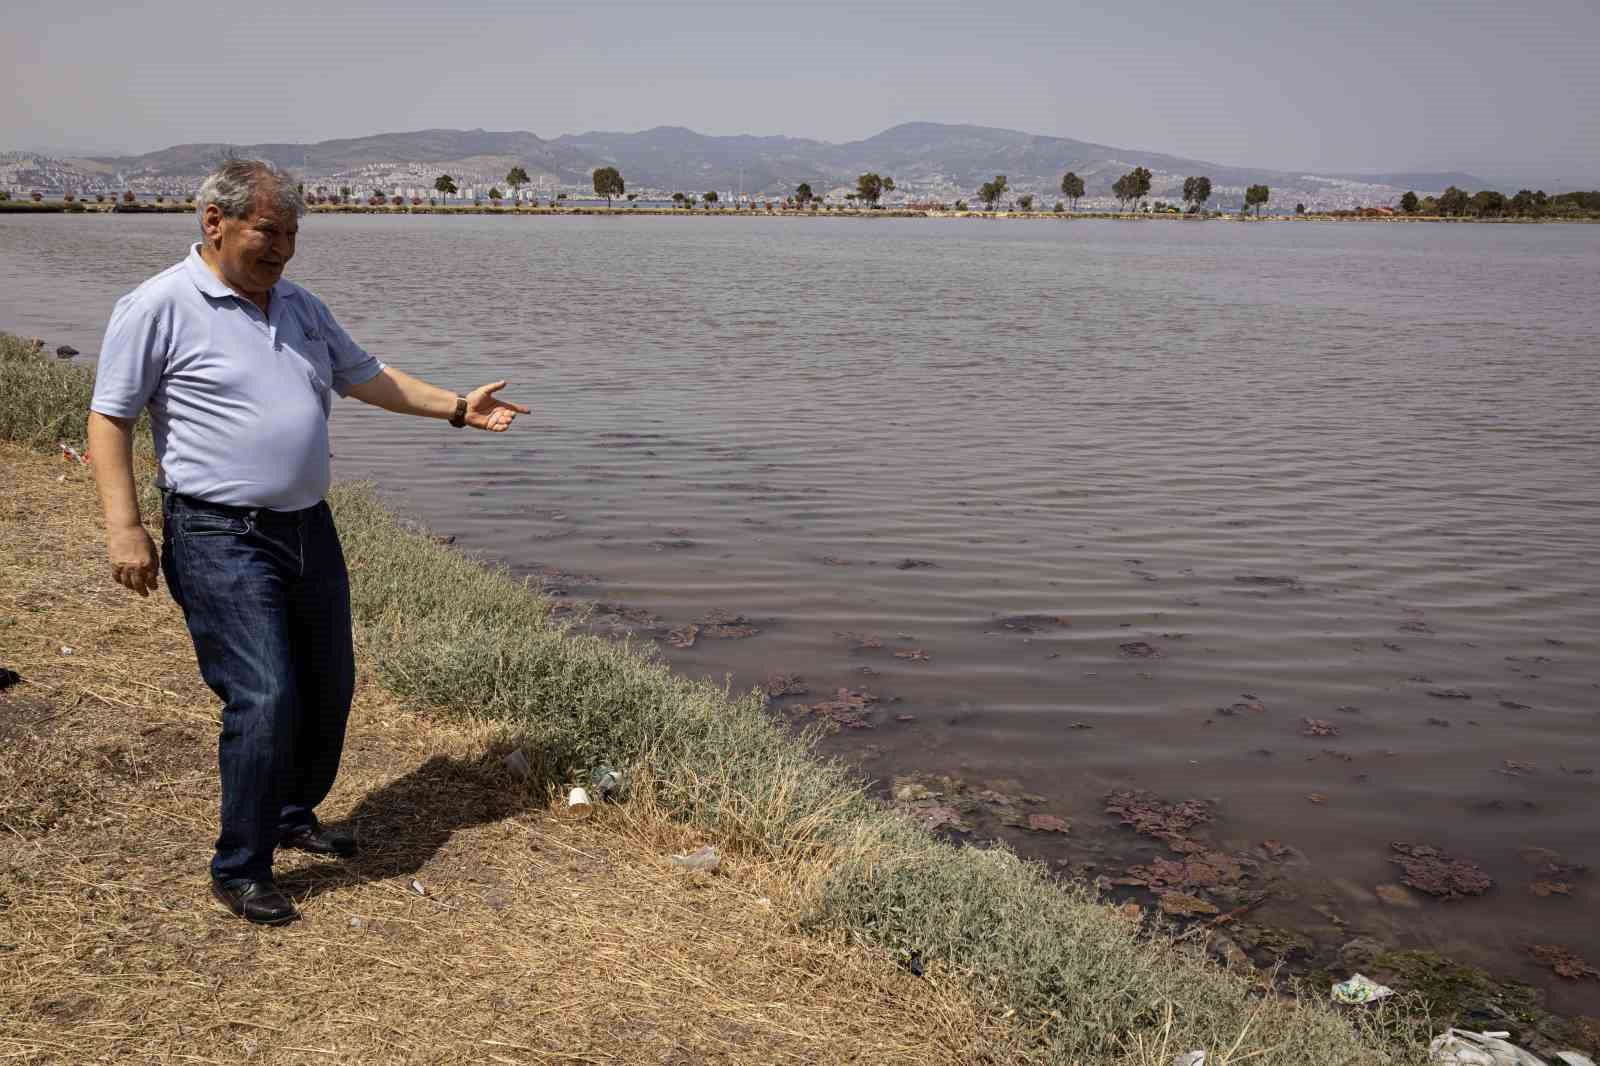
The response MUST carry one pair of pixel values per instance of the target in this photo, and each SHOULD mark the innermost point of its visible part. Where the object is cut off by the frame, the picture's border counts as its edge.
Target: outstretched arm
(395, 390)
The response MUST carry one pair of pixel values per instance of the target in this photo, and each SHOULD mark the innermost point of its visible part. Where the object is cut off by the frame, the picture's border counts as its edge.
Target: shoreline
(1030, 950)
(441, 647)
(110, 208)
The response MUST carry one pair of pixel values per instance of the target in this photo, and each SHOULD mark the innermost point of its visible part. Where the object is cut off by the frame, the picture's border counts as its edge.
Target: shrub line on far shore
(449, 635)
(547, 211)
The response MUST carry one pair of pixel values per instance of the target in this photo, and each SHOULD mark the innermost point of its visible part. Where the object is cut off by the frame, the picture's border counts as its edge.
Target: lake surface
(1337, 473)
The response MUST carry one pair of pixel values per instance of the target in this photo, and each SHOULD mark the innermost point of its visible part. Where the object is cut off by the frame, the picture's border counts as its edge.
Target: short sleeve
(133, 358)
(351, 364)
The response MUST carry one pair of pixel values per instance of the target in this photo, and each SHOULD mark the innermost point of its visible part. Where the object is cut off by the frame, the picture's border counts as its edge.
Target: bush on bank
(1087, 985)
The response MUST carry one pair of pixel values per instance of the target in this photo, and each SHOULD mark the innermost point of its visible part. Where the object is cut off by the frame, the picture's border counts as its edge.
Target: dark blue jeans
(267, 599)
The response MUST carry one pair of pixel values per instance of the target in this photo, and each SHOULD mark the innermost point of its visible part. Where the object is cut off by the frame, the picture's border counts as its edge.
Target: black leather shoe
(254, 901)
(322, 841)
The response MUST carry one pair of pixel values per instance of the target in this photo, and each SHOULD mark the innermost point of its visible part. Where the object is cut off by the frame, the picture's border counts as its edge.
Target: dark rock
(8, 677)
(66, 351)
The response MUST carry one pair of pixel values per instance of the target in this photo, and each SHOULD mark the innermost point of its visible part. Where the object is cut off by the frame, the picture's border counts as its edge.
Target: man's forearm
(111, 455)
(395, 390)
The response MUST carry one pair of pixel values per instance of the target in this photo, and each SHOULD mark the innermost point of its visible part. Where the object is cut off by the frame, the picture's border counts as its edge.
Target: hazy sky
(1502, 88)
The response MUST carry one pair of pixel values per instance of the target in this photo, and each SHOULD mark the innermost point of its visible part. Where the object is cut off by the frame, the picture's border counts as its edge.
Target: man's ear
(211, 223)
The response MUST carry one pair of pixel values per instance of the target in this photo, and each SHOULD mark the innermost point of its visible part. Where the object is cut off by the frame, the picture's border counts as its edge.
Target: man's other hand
(486, 412)
(133, 558)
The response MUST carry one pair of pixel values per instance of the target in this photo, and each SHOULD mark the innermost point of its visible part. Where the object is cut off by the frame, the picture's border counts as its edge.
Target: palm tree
(445, 185)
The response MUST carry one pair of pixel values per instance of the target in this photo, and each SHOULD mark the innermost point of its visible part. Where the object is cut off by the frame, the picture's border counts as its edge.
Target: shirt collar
(206, 280)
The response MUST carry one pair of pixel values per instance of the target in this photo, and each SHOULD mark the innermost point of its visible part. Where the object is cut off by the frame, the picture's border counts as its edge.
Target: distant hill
(928, 160)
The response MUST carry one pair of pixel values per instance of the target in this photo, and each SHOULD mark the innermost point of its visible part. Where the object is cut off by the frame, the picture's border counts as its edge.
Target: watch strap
(459, 419)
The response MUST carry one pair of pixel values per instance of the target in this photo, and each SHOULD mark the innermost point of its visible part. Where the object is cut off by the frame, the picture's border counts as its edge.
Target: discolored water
(1130, 428)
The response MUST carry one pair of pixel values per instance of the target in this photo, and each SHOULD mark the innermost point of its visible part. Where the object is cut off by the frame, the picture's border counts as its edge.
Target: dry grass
(539, 939)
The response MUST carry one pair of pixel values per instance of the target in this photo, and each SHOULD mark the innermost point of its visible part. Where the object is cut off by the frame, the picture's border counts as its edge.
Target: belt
(262, 516)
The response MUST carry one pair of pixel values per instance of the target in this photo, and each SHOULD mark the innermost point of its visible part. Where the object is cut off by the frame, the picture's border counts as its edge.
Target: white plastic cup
(578, 803)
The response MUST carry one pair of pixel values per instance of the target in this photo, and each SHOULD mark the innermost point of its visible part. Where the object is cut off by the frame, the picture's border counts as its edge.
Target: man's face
(252, 251)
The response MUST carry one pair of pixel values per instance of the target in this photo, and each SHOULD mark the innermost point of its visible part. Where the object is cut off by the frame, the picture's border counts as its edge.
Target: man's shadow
(403, 824)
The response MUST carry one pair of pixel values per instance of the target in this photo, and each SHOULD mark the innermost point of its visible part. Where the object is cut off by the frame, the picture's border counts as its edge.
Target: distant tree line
(1131, 190)
(1487, 203)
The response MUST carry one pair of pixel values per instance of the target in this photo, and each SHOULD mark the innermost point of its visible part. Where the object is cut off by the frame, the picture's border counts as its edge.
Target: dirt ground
(532, 939)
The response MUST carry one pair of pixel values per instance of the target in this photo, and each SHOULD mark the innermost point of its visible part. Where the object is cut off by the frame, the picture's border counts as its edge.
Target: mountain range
(927, 160)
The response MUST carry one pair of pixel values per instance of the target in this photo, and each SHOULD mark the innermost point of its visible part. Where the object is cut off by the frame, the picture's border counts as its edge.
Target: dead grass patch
(538, 940)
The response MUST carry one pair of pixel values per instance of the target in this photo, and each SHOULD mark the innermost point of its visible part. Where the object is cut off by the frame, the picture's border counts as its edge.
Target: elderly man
(237, 368)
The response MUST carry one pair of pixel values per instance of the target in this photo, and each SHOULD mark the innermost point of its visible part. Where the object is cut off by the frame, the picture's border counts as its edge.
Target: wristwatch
(459, 419)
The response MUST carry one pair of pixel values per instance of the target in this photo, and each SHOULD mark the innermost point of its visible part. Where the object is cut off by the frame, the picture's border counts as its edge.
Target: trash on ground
(1319, 727)
(1138, 649)
(606, 782)
(71, 453)
(516, 763)
(67, 649)
(66, 351)
(1190, 1058)
(1360, 989)
(357, 923)
(579, 805)
(701, 858)
(1572, 1058)
(416, 886)
(1462, 1047)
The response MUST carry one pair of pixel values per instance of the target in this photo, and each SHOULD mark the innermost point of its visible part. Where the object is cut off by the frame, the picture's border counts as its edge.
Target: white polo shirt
(239, 400)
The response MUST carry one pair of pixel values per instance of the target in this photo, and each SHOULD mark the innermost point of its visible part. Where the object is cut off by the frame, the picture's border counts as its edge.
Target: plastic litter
(701, 858)
(579, 805)
(71, 453)
(1572, 1058)
(416, 886)
(1462, 1047)
(606, 782)
(516, 765)
(1360, 989)
(1190, 1058)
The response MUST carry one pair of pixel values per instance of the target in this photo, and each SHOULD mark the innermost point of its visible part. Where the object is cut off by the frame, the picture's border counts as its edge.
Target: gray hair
(235, 184)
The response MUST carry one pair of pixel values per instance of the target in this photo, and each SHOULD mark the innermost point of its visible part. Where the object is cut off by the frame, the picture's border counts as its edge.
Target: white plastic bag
(1462, 1047)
